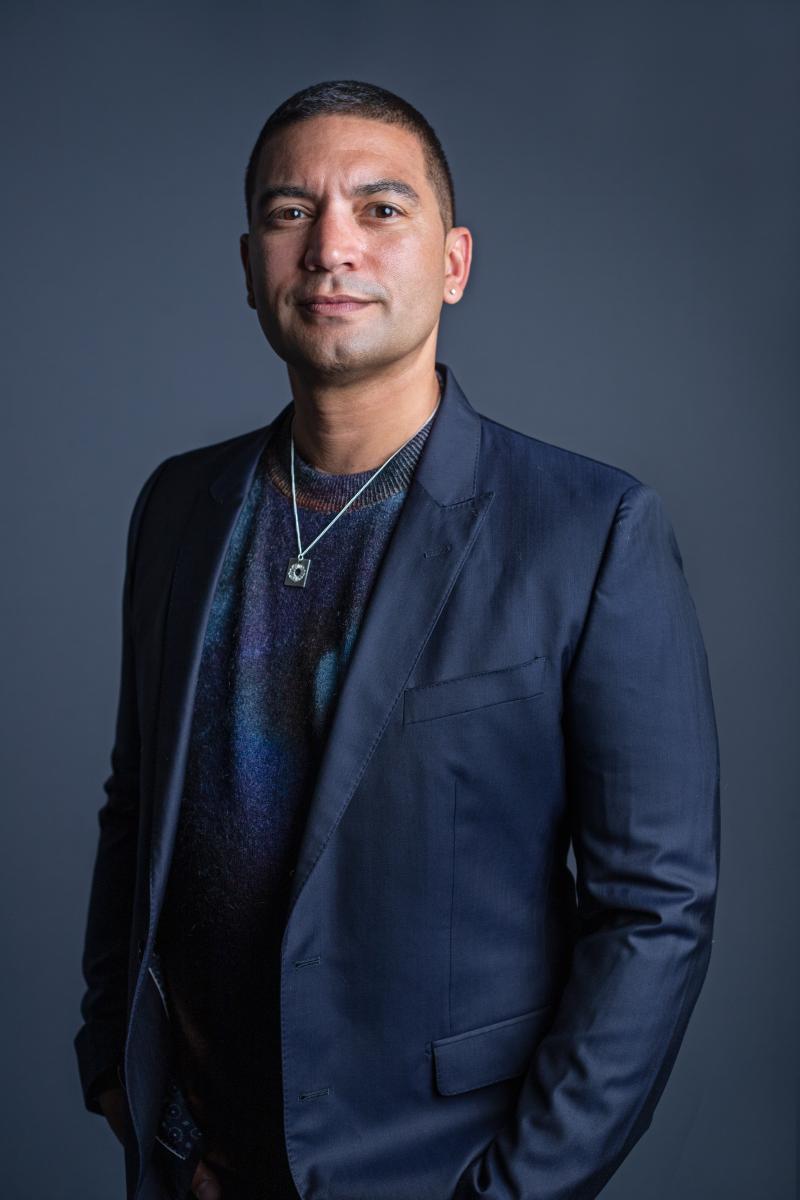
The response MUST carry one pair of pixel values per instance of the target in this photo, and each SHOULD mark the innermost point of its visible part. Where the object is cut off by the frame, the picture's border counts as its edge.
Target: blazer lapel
(435, 531)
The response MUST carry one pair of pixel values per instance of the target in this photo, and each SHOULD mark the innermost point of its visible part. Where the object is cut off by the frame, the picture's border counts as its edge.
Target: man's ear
(458, 260)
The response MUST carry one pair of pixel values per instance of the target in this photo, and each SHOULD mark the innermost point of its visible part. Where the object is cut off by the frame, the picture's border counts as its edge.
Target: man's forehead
(345, 152)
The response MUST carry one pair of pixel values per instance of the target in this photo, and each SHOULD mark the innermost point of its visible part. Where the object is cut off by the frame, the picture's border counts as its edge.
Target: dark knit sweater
(272, 664)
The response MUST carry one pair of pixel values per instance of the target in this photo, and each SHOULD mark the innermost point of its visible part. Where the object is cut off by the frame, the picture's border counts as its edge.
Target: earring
(452, 291)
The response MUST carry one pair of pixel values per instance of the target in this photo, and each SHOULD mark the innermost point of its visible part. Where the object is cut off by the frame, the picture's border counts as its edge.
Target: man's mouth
(334, 304)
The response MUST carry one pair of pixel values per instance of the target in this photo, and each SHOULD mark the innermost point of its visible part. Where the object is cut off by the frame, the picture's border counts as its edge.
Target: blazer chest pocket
(466, 692)
(489, 1053)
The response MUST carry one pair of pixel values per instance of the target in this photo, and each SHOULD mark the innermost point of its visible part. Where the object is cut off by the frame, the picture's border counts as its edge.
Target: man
(384, 660)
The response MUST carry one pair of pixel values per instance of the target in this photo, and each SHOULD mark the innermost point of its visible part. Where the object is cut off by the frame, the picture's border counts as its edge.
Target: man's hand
(205, 1184)
(114, 1103)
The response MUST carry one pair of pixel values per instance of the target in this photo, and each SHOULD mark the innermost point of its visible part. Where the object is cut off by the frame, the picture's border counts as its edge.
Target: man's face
(314, 233)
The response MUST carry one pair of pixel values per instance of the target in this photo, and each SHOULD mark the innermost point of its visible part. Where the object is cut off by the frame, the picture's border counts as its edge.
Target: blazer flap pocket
(489, 1053)
(465, 692)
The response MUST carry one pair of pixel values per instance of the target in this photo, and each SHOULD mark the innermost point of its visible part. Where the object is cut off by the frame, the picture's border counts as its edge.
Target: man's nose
(334, 241)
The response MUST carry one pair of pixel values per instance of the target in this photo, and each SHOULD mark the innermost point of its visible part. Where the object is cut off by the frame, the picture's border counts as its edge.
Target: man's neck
(345, 430)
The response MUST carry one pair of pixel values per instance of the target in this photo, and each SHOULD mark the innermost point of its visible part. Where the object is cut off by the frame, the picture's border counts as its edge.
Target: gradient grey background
(630, 176)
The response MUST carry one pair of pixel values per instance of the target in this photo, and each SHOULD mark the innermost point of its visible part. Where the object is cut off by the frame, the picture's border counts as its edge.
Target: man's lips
(334, 304)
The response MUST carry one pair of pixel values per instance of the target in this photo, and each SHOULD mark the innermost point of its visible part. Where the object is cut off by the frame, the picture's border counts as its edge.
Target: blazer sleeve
(99, 1043)
(642, 771)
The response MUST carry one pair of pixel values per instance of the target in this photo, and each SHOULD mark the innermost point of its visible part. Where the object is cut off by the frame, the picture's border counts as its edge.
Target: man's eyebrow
(398, 186)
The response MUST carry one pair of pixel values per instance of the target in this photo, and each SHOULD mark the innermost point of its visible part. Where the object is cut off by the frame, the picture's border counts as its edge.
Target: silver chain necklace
(297, 570)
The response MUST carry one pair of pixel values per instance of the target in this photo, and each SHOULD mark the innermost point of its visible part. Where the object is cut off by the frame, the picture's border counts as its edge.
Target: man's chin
(333, 363)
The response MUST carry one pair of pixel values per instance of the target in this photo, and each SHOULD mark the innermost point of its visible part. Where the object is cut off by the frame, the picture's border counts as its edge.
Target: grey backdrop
(630, 175)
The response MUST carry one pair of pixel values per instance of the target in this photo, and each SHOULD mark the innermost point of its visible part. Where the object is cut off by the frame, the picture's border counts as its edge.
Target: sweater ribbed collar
(323, 492)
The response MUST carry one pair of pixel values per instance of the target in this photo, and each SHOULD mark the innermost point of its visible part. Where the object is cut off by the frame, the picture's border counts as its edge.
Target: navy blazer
(461, 1016)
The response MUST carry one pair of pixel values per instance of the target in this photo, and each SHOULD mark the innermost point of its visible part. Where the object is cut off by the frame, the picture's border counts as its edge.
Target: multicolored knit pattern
(273, 660)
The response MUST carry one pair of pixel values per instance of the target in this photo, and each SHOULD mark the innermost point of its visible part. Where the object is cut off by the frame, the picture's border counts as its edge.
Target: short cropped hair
(351, 96)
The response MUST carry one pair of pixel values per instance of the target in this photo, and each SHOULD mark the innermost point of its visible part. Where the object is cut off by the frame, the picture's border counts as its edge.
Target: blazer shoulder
(166, 496)
(180, 474)
(563, 469)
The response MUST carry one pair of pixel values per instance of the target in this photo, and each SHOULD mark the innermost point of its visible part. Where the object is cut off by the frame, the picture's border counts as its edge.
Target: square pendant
(297, 572)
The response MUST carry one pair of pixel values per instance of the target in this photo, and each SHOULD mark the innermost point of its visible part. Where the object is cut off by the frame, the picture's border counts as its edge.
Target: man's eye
(291, 208)
(281, 213)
